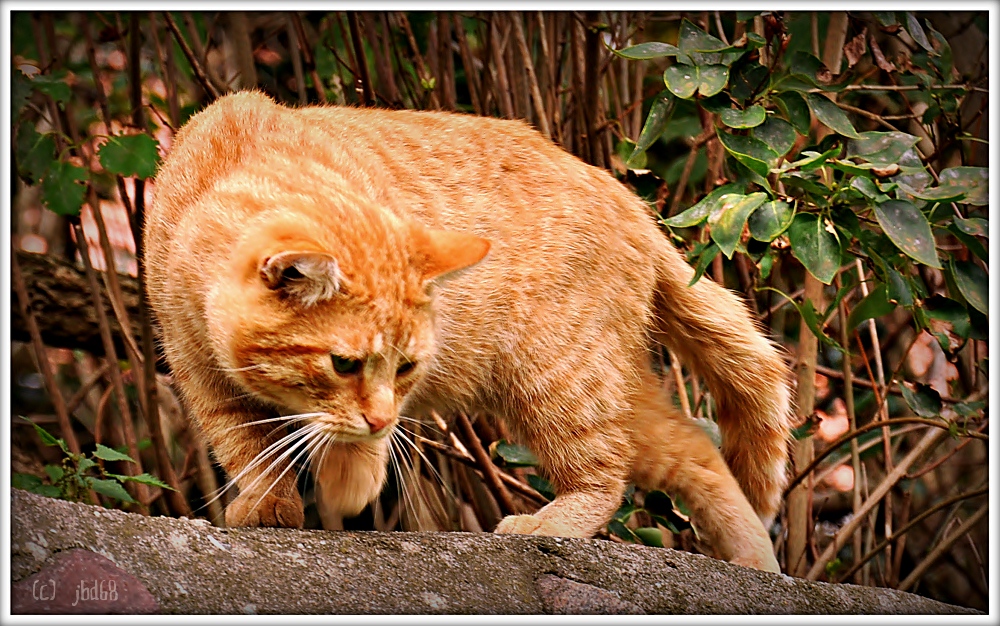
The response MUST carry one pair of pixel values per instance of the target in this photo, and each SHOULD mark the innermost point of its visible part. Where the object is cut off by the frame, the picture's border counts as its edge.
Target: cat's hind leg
(675, 455)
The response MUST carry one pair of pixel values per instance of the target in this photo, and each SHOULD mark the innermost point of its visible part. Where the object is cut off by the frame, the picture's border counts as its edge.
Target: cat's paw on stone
(251, 510)
(531, 525)
(764, 562)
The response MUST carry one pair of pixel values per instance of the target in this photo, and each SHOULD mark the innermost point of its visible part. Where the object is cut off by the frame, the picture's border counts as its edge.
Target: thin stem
(490, 471)
(930, 439)
(196, 67)
(41, 357)
(943, 547)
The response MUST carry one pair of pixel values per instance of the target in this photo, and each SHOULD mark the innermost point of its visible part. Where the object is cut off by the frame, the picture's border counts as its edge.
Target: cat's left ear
(438, 253)
(308, 277)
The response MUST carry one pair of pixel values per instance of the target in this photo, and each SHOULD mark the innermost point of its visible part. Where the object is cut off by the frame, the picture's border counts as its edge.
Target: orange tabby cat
(345, 266)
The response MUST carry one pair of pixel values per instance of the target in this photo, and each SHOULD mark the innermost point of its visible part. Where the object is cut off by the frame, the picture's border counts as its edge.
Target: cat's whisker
(401, 477)
(434, 470)
(287, 419)
(315, 437)
(261, 458)
(255, 366)
(418, 495)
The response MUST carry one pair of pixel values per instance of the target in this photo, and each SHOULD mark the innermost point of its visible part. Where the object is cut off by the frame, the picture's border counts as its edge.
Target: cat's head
(338, 324)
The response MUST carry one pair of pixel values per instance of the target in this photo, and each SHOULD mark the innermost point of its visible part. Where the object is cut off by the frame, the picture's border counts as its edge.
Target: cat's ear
(308, 277)
(440, 252)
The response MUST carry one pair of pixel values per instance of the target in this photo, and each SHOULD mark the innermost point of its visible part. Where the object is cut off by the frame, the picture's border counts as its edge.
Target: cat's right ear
(308, 277)
(440, 252)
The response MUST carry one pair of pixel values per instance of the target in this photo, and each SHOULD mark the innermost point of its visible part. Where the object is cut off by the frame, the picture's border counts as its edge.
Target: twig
(529, 67)
(508, 480)
(307, 58)
(851, 418)
(85, 388)
(871, 426)
(908, 525)
(930, 439)
(425, 76)
(134, 468)
(364, 75)
(904, 88)
(470, 68)
(688, 166)
(486, 466)
(41, 358)
(943, 547)
(500, 84)
(177, 503)
(199, 72)
(296, 55)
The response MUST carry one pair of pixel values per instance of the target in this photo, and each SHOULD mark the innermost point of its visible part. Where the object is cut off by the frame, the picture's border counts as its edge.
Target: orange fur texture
(352, 265)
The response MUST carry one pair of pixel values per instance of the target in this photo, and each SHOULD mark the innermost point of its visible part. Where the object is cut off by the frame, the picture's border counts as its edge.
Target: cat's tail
(710, 329)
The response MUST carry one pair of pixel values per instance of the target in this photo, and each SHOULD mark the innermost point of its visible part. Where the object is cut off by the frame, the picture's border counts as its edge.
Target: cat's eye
(346, 366)
(405, 368)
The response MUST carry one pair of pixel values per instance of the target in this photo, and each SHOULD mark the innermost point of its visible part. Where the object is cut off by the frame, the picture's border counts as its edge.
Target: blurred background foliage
(831, 167)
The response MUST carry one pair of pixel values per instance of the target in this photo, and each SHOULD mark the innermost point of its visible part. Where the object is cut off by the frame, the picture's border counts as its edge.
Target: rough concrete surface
(192, 567)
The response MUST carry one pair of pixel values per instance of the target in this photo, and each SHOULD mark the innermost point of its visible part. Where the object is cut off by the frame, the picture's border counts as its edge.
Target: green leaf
(107, 454)
(712, 79)
(897, 289)
(923, 399)
(512, 454)
(701, 210)
(909, 229)
(20, 92)
(886, 18)
(776, 134)
(972, 243)
(54, 85)
(976, 180)
(109, 487)
(704, 49)
(681, 80)
(973, 283)
(728, 219)
(868, 189)
(770, 220)
(804, 65)
(28, 482)
(815, 246)
(753, 153)
(752, 116)
(130, 155)
(796, 109)
(747, 79)
(622, 531)
(684, 80)
(942, 193)
(830, 115)
(46, 436)
(145, 479)
(660, 113)
(55, 472)
(814, 160)
(881, 148)
(35, 153)
(648, 50)
(704, 260)
(542, 486)
(875, 304)
(85, 464)
(62, 192)
(974, 226)
(650, 536)
(663, 510)
(917, 32)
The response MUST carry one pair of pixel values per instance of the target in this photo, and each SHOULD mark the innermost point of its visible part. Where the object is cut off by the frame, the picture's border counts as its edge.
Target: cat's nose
(377, 422)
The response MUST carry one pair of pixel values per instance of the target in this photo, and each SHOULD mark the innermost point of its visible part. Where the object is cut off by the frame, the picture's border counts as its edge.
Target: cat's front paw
(251, 510)
(531, 525)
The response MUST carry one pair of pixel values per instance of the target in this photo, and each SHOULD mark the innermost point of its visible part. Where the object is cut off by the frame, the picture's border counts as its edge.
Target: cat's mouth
(350, 433)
